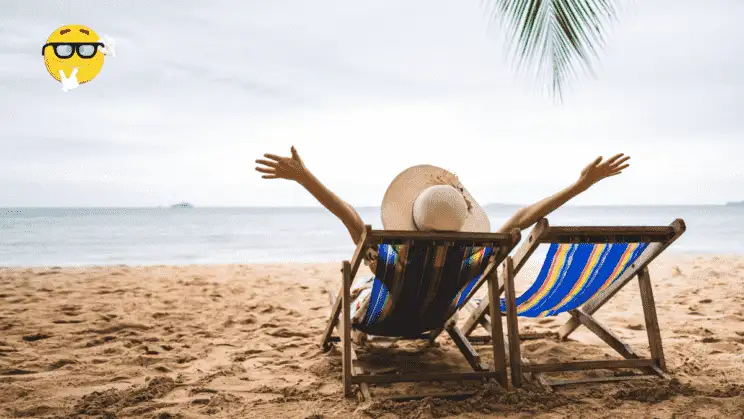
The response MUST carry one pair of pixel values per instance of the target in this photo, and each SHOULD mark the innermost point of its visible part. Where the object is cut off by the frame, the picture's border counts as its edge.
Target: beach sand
(241, 341)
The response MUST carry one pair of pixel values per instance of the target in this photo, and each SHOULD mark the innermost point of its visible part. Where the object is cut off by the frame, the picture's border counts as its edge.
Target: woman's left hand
(598, 169)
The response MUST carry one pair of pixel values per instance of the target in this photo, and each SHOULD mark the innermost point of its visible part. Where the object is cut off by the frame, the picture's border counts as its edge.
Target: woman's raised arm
(293, 168)
(593, 173)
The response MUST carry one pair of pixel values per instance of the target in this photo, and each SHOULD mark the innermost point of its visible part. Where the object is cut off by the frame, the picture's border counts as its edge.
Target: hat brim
(397, 204)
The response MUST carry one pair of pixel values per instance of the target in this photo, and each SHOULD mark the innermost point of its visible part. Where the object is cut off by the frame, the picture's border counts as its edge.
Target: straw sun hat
(430, 198)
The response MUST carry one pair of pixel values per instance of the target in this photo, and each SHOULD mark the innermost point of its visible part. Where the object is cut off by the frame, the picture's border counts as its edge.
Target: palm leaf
(555, 36)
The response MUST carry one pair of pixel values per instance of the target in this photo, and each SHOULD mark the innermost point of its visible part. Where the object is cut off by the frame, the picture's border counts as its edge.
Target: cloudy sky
(363, 89)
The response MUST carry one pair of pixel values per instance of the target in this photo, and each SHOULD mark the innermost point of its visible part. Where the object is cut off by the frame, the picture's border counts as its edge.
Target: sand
(234, 341)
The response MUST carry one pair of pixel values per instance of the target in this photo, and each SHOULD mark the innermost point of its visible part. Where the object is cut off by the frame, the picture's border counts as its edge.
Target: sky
(363, 90)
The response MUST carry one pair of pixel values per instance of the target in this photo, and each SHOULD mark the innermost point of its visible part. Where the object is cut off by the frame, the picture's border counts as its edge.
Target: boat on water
(735, 204)
(182, 205)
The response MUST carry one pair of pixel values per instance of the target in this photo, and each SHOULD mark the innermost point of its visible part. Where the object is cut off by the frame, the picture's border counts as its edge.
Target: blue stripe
(563, 280)
(541, 277)
(379, 303)
(636, 253)
(604, 269)
(386, 255)
(484, 263)
(588, 284)
(602, 273)
(576, 259)
(374, 296)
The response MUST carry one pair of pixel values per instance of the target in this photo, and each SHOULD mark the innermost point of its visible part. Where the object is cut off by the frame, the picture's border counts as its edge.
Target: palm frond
(555, 36)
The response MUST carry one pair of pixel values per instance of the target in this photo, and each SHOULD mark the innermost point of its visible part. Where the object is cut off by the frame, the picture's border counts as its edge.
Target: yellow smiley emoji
(73, 47)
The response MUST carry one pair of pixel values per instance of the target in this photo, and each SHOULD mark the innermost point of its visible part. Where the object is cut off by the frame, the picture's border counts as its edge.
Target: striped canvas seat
(574, 273)
(421, 279)
(420, 286)
(584, 268)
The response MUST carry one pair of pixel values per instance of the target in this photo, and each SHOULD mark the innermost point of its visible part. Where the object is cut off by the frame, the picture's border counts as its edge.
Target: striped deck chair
(421, 278)
(583, 269)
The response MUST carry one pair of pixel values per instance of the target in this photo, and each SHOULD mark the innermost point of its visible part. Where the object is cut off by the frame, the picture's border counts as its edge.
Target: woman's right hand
(292, 168)
(277, 167)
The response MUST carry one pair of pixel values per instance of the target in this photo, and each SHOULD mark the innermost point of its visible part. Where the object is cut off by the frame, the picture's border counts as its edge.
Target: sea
(153, 236)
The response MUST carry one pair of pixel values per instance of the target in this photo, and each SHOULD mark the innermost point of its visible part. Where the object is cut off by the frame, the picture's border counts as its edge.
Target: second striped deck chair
(583, 269)
(421, 280)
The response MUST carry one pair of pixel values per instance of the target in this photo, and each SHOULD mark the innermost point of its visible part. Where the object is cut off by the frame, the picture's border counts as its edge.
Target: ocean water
(152, 236)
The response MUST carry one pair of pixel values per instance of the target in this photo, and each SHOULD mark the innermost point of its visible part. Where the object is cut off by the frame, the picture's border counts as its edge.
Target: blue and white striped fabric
(574, 273)
(417, 283)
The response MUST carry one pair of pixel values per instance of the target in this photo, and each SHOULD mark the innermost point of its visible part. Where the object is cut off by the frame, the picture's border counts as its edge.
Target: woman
(426, 198)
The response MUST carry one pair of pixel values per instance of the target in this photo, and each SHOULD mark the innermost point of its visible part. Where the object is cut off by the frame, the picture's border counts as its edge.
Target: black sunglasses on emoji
(67, 49)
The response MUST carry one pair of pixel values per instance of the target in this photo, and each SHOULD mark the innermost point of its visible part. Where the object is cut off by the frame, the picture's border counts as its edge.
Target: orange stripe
(585, 274)
(555, 269)
(621, 264)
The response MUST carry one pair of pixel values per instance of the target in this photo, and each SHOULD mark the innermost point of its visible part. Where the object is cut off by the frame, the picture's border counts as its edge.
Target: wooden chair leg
(475, 317)
(612, 340)
(605, 334)
(325, 342)
(497, 332)
(652, 322)
(356, 260)
(465, 347)
(346, 326)
(512, 324)
(591, 306)
(364, 393)
(434, 335)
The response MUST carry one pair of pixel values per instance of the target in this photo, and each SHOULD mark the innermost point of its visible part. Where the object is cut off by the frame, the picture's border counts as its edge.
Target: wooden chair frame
(341, 308)
(543, 233)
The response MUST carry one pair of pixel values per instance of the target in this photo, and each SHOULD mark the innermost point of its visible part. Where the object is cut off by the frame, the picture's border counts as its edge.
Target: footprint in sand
(61, 363)
(250, 319)
(185, 359)
(70, 321)
(110, 403)
(121, 327)
(98, 342)
(34, 338)
(16, 371)
(69, 307)
(149, 351)
(283, 332)
(250, 353)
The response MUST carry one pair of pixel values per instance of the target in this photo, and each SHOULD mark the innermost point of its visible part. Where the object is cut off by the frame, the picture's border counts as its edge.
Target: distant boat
(182, 205)
(735, 204)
